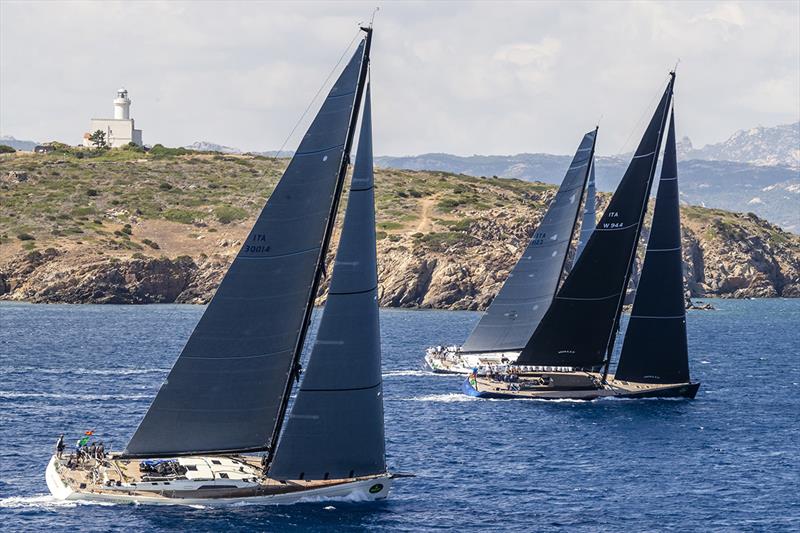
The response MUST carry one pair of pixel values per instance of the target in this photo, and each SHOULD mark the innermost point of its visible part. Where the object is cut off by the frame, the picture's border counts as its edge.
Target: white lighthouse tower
(119, 130)
(122, 105)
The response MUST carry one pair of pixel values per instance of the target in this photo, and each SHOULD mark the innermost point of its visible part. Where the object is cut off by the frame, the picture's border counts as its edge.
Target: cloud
(465, 78)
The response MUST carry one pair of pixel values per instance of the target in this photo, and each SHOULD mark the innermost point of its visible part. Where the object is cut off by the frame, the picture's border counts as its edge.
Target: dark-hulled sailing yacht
(569, 354)
(218, 430)
(522, 301)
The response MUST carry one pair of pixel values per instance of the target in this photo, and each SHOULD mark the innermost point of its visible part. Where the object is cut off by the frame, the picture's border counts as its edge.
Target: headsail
(589, 220)
(226, 391)
(655, 349)
(335, 428)
(579, 327)
(522, 301)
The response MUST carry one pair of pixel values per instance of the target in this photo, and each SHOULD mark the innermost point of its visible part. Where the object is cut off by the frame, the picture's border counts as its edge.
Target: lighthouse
(122, 105)
(119, 130)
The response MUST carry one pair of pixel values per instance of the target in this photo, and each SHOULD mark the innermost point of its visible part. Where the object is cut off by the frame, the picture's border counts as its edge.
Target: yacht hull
(373, 488)
(454, 362)
(592, 390)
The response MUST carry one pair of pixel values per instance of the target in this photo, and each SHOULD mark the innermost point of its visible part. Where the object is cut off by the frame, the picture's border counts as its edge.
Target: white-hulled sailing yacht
(218, 430)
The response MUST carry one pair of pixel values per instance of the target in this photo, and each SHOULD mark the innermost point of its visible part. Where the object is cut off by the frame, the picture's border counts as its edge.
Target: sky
(458, 77)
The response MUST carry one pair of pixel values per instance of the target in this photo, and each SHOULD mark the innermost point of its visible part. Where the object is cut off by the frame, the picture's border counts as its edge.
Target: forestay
(522, 301)
(654, 349)
(579, 325)
(335, 428)
(224, 393)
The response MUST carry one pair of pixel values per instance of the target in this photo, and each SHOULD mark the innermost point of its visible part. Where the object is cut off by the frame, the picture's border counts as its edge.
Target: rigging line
(638, 124)
(314, 99)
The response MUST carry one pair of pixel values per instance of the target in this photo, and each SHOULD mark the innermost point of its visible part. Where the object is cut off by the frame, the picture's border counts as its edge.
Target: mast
(298, 351)
(589, 214)
(620, 304)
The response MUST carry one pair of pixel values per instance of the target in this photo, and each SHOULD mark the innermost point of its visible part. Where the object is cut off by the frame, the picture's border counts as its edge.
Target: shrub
(151, 244)
(164, 186)
(159, 150)
(127, 229)
(5, 149)
(26, 237)
(184, 216)
(91, 192)
(227, 214)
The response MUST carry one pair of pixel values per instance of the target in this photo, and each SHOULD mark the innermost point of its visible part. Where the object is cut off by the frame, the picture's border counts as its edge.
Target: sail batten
(226, 391)
(522, 300)
(335, 427)
(578, 328)
(655, 348)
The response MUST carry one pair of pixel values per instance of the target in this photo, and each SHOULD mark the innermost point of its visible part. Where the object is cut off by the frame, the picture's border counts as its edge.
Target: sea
(725, 461)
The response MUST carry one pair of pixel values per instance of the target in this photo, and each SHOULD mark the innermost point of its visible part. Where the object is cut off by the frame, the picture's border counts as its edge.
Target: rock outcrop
(724, 257)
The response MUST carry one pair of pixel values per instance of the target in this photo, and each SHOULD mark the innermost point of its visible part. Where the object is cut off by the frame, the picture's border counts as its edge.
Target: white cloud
(457, 77)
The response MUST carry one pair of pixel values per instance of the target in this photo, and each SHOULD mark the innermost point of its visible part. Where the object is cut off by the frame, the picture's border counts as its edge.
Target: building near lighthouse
(119, 130)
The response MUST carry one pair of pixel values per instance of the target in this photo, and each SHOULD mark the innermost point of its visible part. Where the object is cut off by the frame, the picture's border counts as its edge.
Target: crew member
(60, 446)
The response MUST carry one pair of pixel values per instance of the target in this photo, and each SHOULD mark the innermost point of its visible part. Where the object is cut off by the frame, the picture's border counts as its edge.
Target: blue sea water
(727, 461)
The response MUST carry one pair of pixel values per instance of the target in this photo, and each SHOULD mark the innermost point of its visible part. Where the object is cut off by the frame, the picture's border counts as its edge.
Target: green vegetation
(226, 214)
(5, 149)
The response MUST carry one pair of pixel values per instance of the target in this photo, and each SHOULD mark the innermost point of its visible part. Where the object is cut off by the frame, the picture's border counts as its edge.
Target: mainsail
(227, 390)
(522, 301)
(335, 428)
(589, 220)
(579, 326)
(655, 349)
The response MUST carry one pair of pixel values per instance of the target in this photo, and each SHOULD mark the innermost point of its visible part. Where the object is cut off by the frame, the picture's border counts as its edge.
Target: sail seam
(312, 152)
(343, 390)
(300, 252)
(668, 179)
(677, 248)
(364, 189)
(589, 299)
(643, 155)
(352, 292)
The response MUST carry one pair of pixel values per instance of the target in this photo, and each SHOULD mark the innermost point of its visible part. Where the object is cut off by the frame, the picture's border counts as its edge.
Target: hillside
(127, 227)
(772, 192)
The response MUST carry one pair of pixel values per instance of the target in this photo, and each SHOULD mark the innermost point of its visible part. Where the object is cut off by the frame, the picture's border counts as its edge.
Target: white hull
(452, 361)
(372, 489)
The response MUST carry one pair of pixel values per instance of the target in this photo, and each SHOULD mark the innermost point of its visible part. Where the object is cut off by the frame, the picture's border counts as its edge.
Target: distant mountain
(778, 145)
(17, 144)
(772, 192)
(205, 146)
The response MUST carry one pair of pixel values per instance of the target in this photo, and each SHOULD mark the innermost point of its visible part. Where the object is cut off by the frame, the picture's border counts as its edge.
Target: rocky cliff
(137, 229)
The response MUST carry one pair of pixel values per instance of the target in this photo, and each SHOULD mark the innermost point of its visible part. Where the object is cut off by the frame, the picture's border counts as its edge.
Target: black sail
(589, 220)
(335, 428)
(655, 349)
(580, 324)
(226, 391)
(523, 299)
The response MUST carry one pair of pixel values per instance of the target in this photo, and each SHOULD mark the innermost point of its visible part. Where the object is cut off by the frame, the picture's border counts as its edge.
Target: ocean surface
(727, 461)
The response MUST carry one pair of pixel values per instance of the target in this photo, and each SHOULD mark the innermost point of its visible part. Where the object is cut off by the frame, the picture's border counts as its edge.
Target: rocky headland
(125, 227)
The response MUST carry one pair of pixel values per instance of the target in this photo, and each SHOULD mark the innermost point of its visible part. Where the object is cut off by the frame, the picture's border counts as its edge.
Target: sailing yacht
(518, 308)
(569, 354)
(219, 430)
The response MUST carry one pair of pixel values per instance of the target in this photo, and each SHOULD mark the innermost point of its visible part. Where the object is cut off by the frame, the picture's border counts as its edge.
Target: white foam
(442, 398)
(396, 373)
(43, 501)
